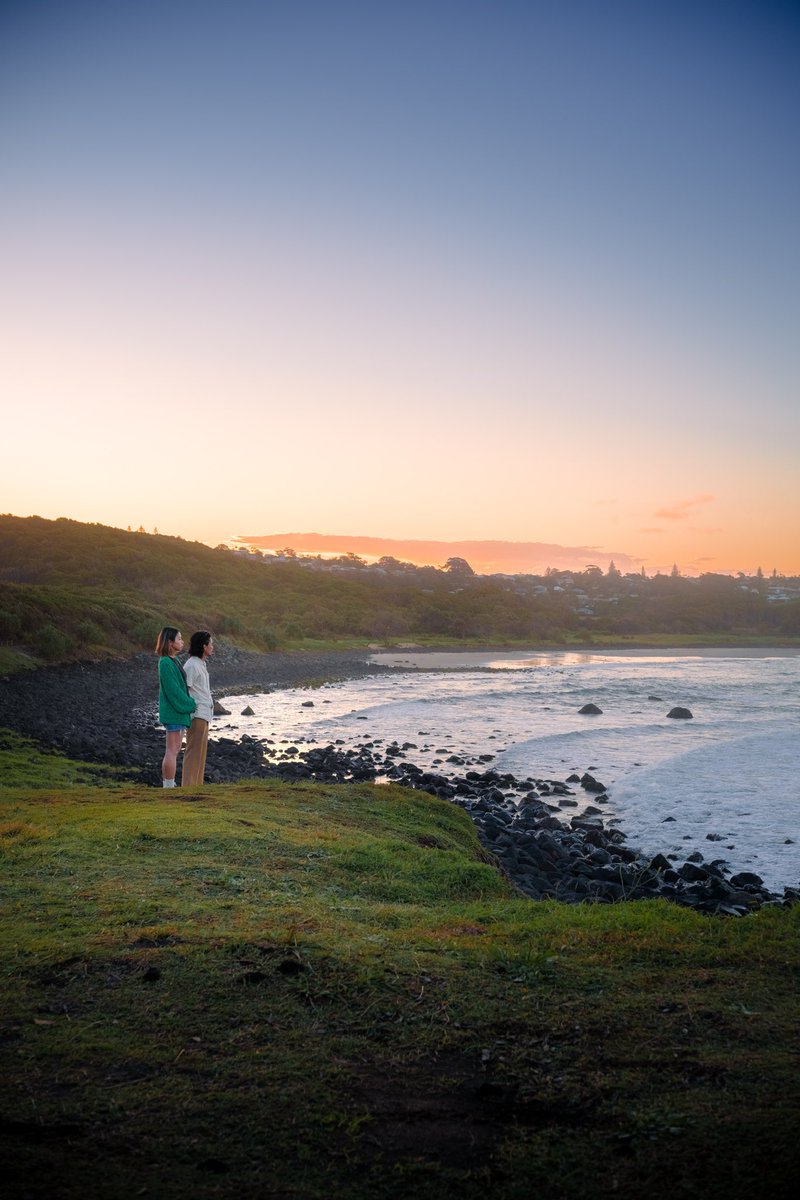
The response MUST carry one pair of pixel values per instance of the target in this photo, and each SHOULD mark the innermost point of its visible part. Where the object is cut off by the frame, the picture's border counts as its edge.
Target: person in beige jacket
(201, 647)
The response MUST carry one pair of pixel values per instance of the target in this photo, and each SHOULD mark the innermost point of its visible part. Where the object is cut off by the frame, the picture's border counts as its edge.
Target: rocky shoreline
(104, 713)
(526, 825)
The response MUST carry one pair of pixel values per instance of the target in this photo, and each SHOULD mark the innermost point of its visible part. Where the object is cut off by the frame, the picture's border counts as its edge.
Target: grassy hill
(328, 991)
(71, 591)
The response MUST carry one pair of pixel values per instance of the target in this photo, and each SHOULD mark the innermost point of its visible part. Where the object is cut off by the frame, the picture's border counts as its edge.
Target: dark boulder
(589, 710)
(584, 824)
(680, 714)
(600, 856)
(746, 879)
(692, 873)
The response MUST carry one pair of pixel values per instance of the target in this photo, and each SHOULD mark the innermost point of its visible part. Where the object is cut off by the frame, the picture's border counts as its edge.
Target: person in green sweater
(175, 705)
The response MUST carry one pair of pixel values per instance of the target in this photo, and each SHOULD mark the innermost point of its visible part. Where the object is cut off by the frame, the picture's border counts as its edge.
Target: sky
(452, 270)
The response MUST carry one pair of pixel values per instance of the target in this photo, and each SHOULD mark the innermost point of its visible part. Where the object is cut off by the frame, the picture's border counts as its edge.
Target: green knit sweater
(175, 705)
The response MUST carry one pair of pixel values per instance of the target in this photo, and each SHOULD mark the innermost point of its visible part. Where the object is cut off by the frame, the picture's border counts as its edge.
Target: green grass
(12, 661)
(25, 763)
(322, 991)
(672, 641)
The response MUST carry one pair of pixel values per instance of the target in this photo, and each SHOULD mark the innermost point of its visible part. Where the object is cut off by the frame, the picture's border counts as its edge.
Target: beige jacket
(199, 687)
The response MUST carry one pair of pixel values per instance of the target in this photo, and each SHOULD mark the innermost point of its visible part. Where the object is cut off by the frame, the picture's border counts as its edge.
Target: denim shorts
(174, 728)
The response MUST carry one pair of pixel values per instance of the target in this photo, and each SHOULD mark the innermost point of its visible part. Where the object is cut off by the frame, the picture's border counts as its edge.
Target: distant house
(780, 594)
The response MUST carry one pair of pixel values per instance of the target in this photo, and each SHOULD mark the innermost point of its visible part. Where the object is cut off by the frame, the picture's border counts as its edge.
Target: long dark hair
(199, 642)
(167, 635)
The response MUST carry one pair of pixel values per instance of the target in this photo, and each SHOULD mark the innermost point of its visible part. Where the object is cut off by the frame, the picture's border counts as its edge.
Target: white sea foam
(732, 771)
(742, 790)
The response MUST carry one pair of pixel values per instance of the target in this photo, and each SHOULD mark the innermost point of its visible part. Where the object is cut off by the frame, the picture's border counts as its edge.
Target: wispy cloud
(682, 509)
(486, 557)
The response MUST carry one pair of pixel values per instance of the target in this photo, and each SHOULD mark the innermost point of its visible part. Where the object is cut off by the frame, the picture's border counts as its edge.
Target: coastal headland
(303, 984)
(549, 836)
(317, 990)
(298, 983)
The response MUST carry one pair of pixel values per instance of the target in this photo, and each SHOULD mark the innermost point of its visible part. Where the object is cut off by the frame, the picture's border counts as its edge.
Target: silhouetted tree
(458, 566)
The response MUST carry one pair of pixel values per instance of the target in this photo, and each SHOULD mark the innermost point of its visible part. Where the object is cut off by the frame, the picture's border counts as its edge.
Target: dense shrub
(89, 634)
(51, 643)
(10, 625)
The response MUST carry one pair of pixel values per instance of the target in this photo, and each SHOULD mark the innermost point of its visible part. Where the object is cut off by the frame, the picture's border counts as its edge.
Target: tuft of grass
(329, 991)
(12, 660)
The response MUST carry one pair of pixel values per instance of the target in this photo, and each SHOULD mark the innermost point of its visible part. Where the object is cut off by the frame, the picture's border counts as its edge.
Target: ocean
(726, 782)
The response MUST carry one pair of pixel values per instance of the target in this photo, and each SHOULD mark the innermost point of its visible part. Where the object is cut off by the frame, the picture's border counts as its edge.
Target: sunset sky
(444, 270)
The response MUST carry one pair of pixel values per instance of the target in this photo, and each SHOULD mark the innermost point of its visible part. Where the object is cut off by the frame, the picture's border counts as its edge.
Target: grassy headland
(328, 991)
(71, 592)
(318, 991)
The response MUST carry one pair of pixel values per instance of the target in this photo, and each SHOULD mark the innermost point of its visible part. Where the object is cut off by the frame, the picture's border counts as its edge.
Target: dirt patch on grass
(449, 1112)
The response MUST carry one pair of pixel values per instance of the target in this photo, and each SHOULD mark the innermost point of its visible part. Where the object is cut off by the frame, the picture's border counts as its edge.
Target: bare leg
(169, 762)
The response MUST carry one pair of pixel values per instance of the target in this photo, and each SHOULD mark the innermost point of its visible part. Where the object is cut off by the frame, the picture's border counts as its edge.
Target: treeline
(76, 591)
(691, 607)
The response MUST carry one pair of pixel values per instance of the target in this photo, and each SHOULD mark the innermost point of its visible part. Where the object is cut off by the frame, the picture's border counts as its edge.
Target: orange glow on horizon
(297, 292)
